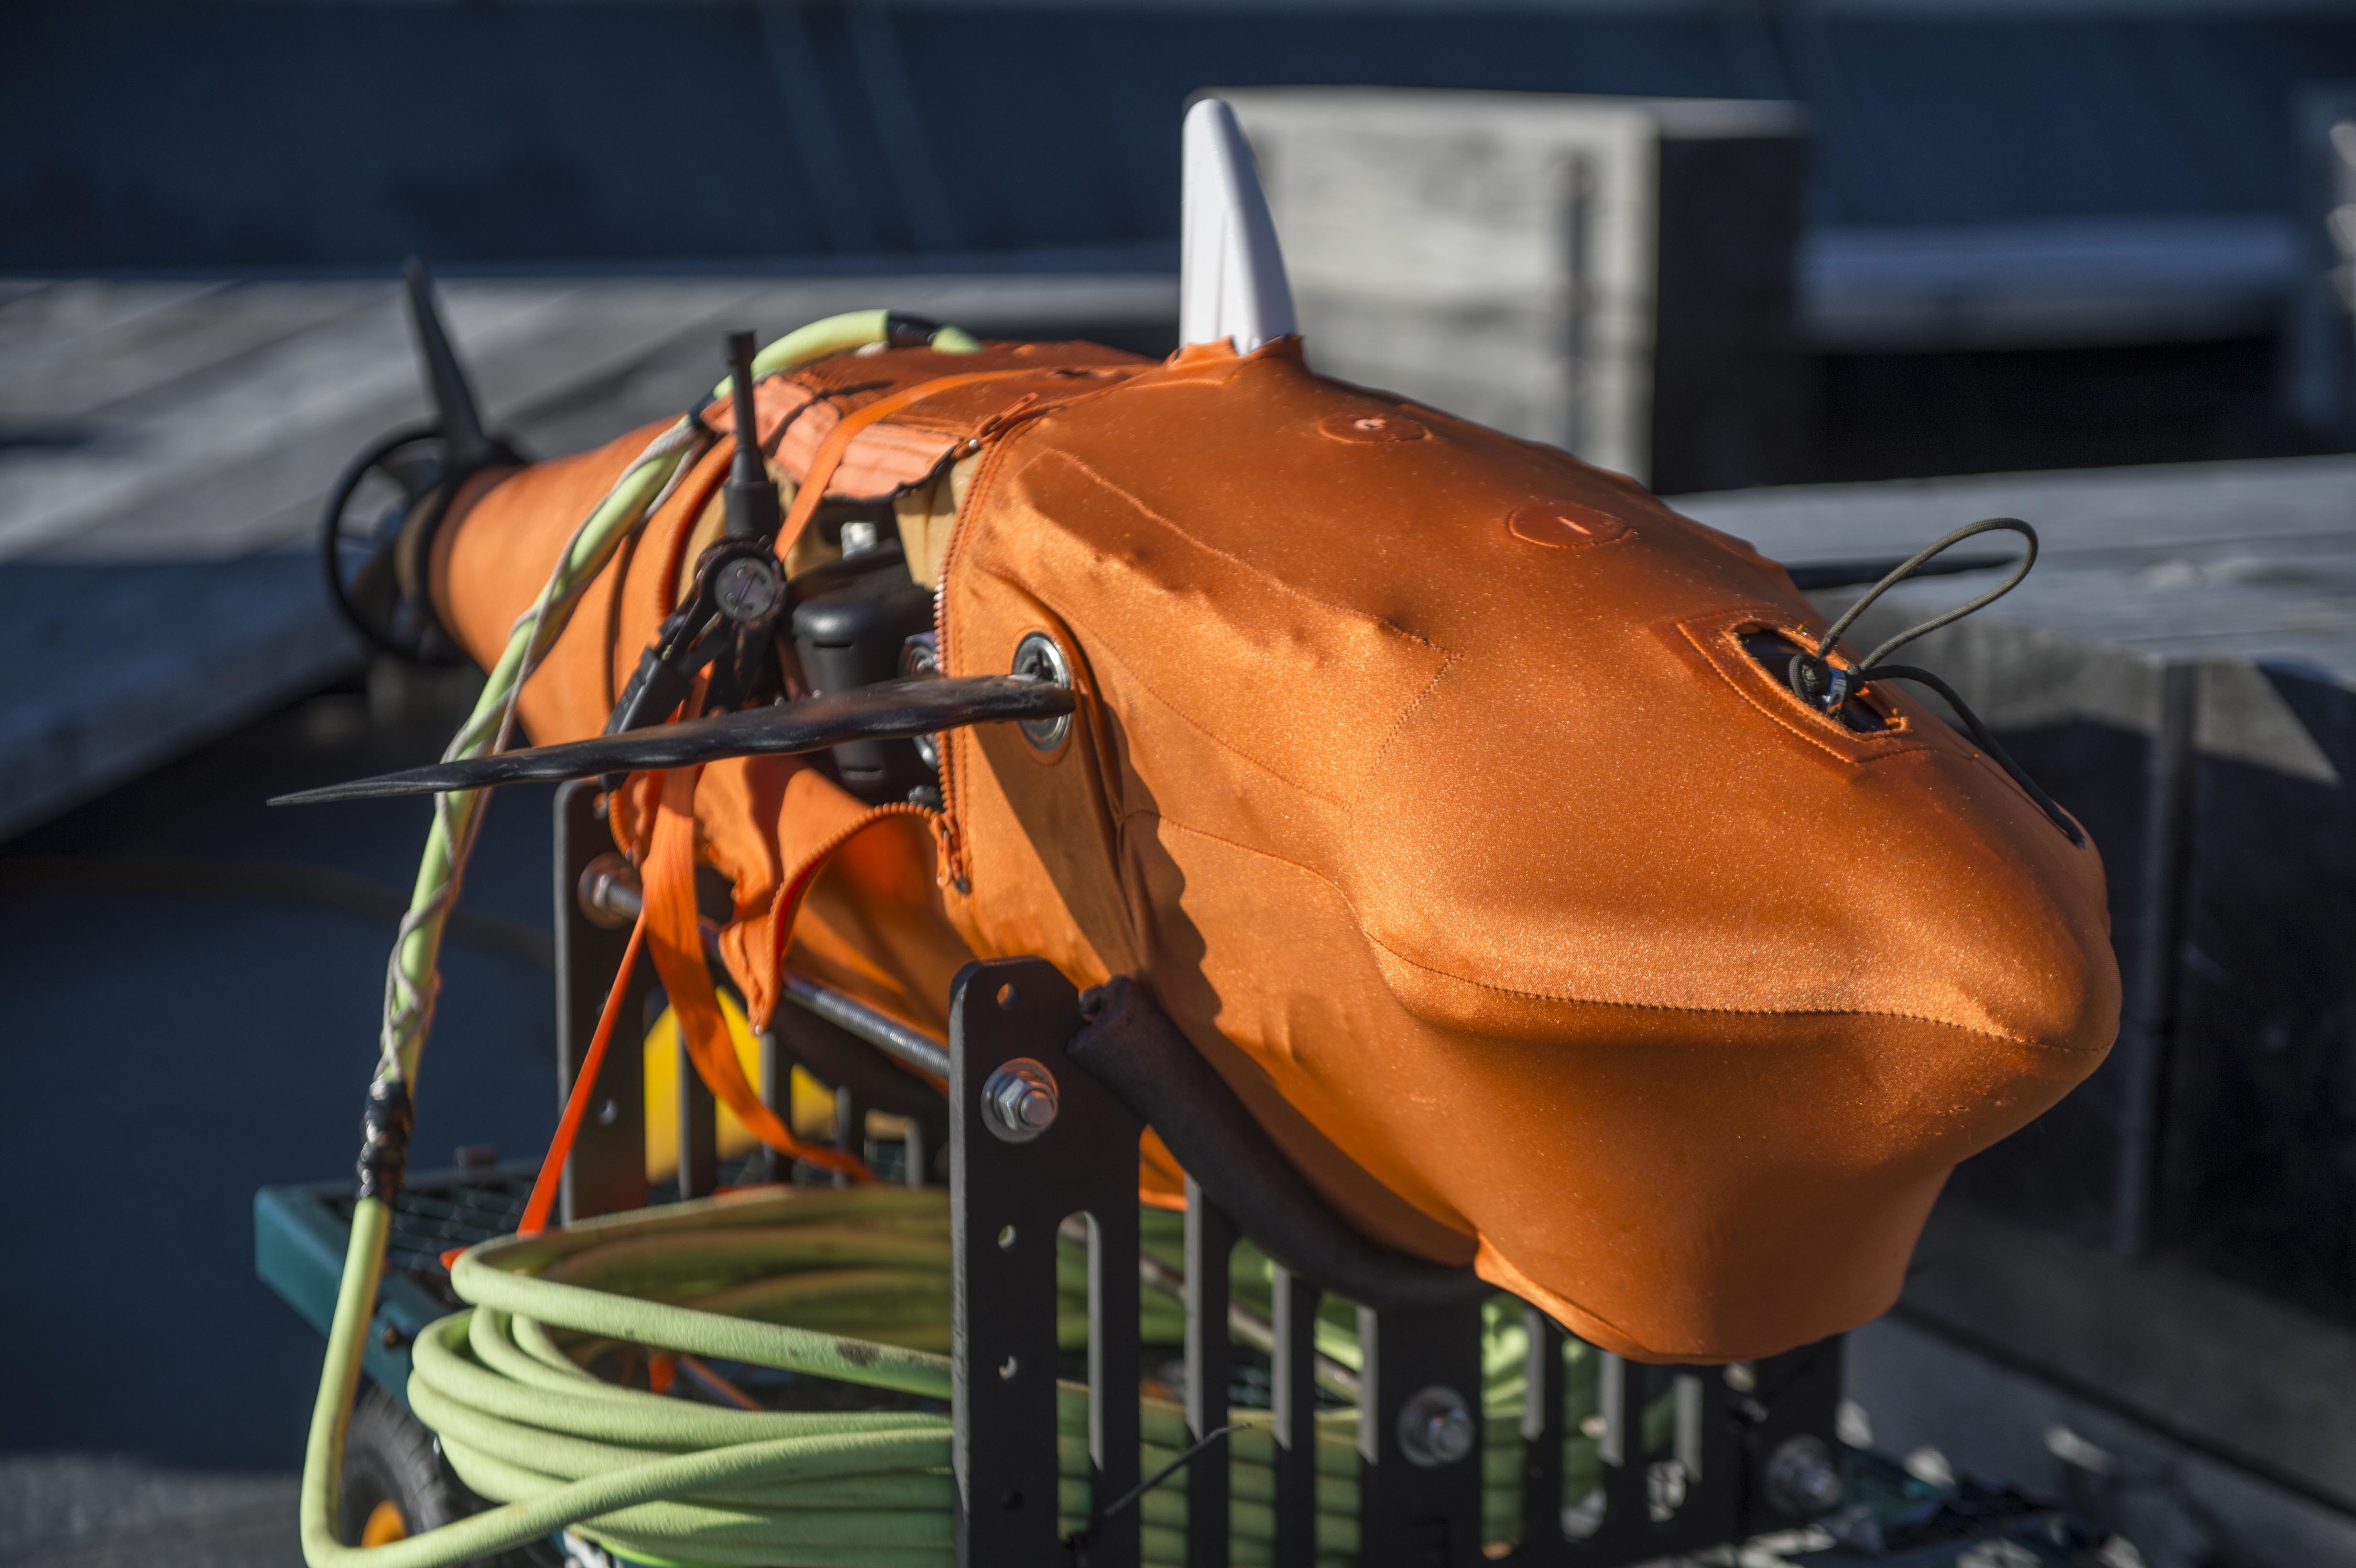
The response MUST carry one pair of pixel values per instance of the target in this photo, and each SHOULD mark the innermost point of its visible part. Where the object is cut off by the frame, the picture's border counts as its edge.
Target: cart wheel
(396, 1485)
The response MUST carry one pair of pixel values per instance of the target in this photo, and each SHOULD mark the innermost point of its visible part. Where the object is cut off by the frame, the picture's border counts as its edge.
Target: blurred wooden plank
(2129, 515)
(165, 450)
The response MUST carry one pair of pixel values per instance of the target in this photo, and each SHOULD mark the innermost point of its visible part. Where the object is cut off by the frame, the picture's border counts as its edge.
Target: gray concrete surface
(1611, 275)
(75, 1511)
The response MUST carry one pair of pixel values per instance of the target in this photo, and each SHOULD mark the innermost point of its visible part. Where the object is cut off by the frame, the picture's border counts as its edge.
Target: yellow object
(813, 1104)
(385, 1525)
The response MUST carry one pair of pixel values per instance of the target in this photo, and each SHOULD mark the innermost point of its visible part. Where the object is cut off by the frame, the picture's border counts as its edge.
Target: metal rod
(610, 895)
(885, 1033)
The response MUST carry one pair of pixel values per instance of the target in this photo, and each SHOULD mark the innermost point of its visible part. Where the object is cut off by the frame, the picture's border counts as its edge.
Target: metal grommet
(1039, 657)
(1436, 1428)
(1019, 1100)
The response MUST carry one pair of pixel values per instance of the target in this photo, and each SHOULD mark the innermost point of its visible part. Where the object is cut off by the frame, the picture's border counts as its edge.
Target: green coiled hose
(771, 1279)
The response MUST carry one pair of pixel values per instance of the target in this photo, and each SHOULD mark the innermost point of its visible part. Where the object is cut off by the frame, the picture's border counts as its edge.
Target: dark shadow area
(2257, 1159)
(638, 131)
(177, 1041)
(2061, 1172)
(1898, 416)
(2259, 1170)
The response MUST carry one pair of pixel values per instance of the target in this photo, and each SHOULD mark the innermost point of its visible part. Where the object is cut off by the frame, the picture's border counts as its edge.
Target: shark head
(1450, 795)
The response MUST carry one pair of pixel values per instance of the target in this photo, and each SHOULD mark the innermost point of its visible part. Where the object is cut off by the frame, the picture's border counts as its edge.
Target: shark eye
(1774, 653)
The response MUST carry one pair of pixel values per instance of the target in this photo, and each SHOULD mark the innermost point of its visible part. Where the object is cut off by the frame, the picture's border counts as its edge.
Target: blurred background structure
(1840, 274)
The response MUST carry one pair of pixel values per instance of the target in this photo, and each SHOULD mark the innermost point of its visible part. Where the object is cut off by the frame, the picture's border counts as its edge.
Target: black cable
(1821, 686)
(1172, 1468)
(1988, 743)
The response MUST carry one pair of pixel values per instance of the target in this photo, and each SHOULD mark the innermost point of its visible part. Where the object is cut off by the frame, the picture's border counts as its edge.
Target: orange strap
(676, 940)
(829, 455)
(584, 1083)
(670, 919)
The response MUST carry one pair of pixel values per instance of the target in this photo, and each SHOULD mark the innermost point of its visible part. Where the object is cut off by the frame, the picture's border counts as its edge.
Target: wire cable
(530, 1392)
(411, 972)
(1827, 687)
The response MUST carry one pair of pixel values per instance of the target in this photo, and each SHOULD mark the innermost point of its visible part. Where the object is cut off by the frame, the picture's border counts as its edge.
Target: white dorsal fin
(1231, 279)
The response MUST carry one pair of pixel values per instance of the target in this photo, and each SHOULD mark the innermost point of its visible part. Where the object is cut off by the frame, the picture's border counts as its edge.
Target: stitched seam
(1127, 818)
(1105, 653)
(2004, 1036)
(1241, 564)
(1522, 994)
(1374, 764)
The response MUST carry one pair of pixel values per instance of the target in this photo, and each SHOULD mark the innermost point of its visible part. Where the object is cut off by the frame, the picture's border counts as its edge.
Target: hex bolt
(1436, 1428)
(1019, 1100)
(1802, 1479)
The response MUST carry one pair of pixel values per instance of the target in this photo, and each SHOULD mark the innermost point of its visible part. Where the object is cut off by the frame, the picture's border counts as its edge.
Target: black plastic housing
(849, 634)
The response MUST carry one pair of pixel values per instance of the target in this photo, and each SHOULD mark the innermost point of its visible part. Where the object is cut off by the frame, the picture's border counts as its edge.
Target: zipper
(990, 446)
(946, 823)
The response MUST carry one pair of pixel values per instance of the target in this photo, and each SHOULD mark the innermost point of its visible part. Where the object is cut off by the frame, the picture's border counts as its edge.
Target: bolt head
(1436, 1428)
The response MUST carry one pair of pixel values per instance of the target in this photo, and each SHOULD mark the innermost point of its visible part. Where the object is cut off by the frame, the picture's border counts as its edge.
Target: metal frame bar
(1706, 1485)
(607, 1170)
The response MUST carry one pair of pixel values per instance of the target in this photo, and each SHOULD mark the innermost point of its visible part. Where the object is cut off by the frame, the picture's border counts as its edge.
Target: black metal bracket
(1008, 1198)
(1692, 1456)
(607, 1170)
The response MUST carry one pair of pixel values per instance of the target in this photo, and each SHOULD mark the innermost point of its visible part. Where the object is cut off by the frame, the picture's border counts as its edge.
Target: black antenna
(445, 381)
(753, 510)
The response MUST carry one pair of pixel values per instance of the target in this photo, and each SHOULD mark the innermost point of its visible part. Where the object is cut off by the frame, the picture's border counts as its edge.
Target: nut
(1019, 1100)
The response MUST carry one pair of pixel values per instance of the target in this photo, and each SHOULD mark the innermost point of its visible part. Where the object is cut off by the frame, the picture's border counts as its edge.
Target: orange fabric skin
(1420, 772)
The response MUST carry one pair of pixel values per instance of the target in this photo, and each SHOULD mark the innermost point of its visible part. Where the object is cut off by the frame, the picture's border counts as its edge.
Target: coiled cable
(778, 1279)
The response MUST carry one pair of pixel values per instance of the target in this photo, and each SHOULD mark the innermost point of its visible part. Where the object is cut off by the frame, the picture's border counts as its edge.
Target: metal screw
(1436, 1428)
(1019, 1100)
(1039, 657)
(1802, 1479)
(747, 590)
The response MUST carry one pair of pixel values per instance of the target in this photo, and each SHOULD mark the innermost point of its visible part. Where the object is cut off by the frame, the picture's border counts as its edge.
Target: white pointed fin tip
(1231, 280)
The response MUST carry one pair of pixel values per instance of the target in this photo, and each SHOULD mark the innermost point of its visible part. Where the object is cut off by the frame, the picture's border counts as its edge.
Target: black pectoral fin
(888, 710)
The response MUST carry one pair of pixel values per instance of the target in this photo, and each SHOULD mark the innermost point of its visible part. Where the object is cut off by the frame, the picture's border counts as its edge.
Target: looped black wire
(1988, 743)
(1822, 687)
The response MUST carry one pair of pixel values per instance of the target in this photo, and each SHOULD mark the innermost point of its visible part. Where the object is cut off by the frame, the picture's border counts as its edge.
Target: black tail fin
(469, 445)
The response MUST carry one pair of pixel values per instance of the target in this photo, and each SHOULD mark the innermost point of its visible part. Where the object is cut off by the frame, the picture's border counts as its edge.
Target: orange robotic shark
(1453, 797)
